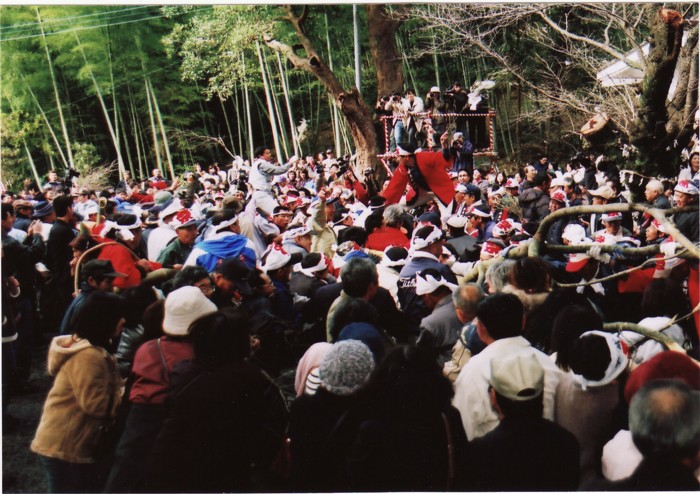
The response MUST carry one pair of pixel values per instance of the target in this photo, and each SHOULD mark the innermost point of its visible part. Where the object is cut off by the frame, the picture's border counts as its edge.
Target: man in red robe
(426, 171)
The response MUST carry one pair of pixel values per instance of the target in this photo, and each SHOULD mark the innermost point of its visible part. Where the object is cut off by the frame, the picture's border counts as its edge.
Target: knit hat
(517, 377)
(184, 306)
(41, 209)
(346, 367)
(429, 280)
(665, 365)
(618, 361)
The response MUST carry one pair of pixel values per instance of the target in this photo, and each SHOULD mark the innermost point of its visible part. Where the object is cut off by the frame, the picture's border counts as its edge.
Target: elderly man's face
(530, 172)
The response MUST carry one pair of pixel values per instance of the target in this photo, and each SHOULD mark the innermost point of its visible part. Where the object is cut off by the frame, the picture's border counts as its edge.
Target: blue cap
(355, 253)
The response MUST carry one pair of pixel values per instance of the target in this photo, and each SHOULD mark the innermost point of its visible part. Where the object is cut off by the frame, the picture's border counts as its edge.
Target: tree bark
(648, 132)
(684, 103)
(382, 43)
(349, 102)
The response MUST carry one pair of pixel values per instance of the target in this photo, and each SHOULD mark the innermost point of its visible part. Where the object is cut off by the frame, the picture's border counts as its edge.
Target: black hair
(62, 204)
(571, 322)
(531, 274)
(137, 299)
(6, 209)
(357, 275)
(521, 409)
(590, 357)
(221, 337)
(663, 297)
(98, 317)
(409, 382)
(353, 233)
(350, 310)
(502, 315)
(260, 150)
(540, 179)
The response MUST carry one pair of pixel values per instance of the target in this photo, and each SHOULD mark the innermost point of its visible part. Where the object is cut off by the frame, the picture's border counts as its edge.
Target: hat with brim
(612, 216)
(171, 209)
(21, 204)
(100, 268)
(577, 261)
(434, 89)
(686, 187)
(183, 219)
(517, 377)
(604, 191)
(42, 209)
(558, 196)
(236, 271)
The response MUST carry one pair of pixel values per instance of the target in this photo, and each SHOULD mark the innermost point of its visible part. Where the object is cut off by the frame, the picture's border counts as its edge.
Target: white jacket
(263, 172)
(471, 387)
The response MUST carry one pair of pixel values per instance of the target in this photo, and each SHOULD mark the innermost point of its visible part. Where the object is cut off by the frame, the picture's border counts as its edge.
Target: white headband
(313, 269)
(420, 243)
(123, 231)
(226, 223)
(429, 284)
(618, 361)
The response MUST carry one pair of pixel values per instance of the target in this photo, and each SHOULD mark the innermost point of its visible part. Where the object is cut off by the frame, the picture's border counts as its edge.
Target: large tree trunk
(683, 106)
(349, 102)
(649, 131)
(382, 43)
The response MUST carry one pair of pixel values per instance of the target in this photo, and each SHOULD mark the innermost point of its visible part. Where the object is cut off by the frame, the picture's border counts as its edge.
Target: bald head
(466, 299)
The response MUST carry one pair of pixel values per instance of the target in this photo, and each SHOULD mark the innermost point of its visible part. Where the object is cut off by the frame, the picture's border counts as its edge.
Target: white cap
(184, 306)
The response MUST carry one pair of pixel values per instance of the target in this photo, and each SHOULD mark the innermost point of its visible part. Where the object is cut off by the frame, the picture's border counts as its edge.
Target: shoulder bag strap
(163, 361)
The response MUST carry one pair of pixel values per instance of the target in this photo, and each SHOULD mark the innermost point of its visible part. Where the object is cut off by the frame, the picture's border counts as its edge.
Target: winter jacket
(86, 384)
(151, 377)
(534, 204)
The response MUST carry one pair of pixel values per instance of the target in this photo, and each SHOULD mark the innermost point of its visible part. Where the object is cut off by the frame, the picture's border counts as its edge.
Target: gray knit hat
(346, 367)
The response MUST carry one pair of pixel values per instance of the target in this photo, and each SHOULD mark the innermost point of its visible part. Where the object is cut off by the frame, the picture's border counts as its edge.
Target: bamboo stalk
(46, 120)
(251, 146)
(279, 119)
(98, 92)
(271, 112)
(290, 113)
(64, 128)
(154, 132)
(162, 132)
(31, 163)
(228, 124)
(138, 137)
(239, 128)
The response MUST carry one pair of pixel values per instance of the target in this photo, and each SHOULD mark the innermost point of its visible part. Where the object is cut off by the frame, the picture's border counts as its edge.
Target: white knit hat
(184, 306)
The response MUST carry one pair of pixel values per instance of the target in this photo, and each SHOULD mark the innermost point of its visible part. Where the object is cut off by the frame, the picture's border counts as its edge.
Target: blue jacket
(411, 303)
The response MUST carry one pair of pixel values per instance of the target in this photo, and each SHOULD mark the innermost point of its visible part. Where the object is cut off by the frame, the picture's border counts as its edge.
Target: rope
(490, 113)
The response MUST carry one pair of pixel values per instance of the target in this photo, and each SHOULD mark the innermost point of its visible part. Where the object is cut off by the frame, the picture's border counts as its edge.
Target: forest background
(139, 87)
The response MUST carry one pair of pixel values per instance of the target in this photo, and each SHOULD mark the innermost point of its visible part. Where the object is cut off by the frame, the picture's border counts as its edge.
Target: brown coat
(76, 407)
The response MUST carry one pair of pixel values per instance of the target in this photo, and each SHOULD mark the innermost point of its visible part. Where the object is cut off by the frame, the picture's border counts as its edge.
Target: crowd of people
(427, 351)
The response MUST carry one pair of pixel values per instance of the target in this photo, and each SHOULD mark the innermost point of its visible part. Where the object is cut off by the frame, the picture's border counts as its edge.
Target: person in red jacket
(390, 233)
